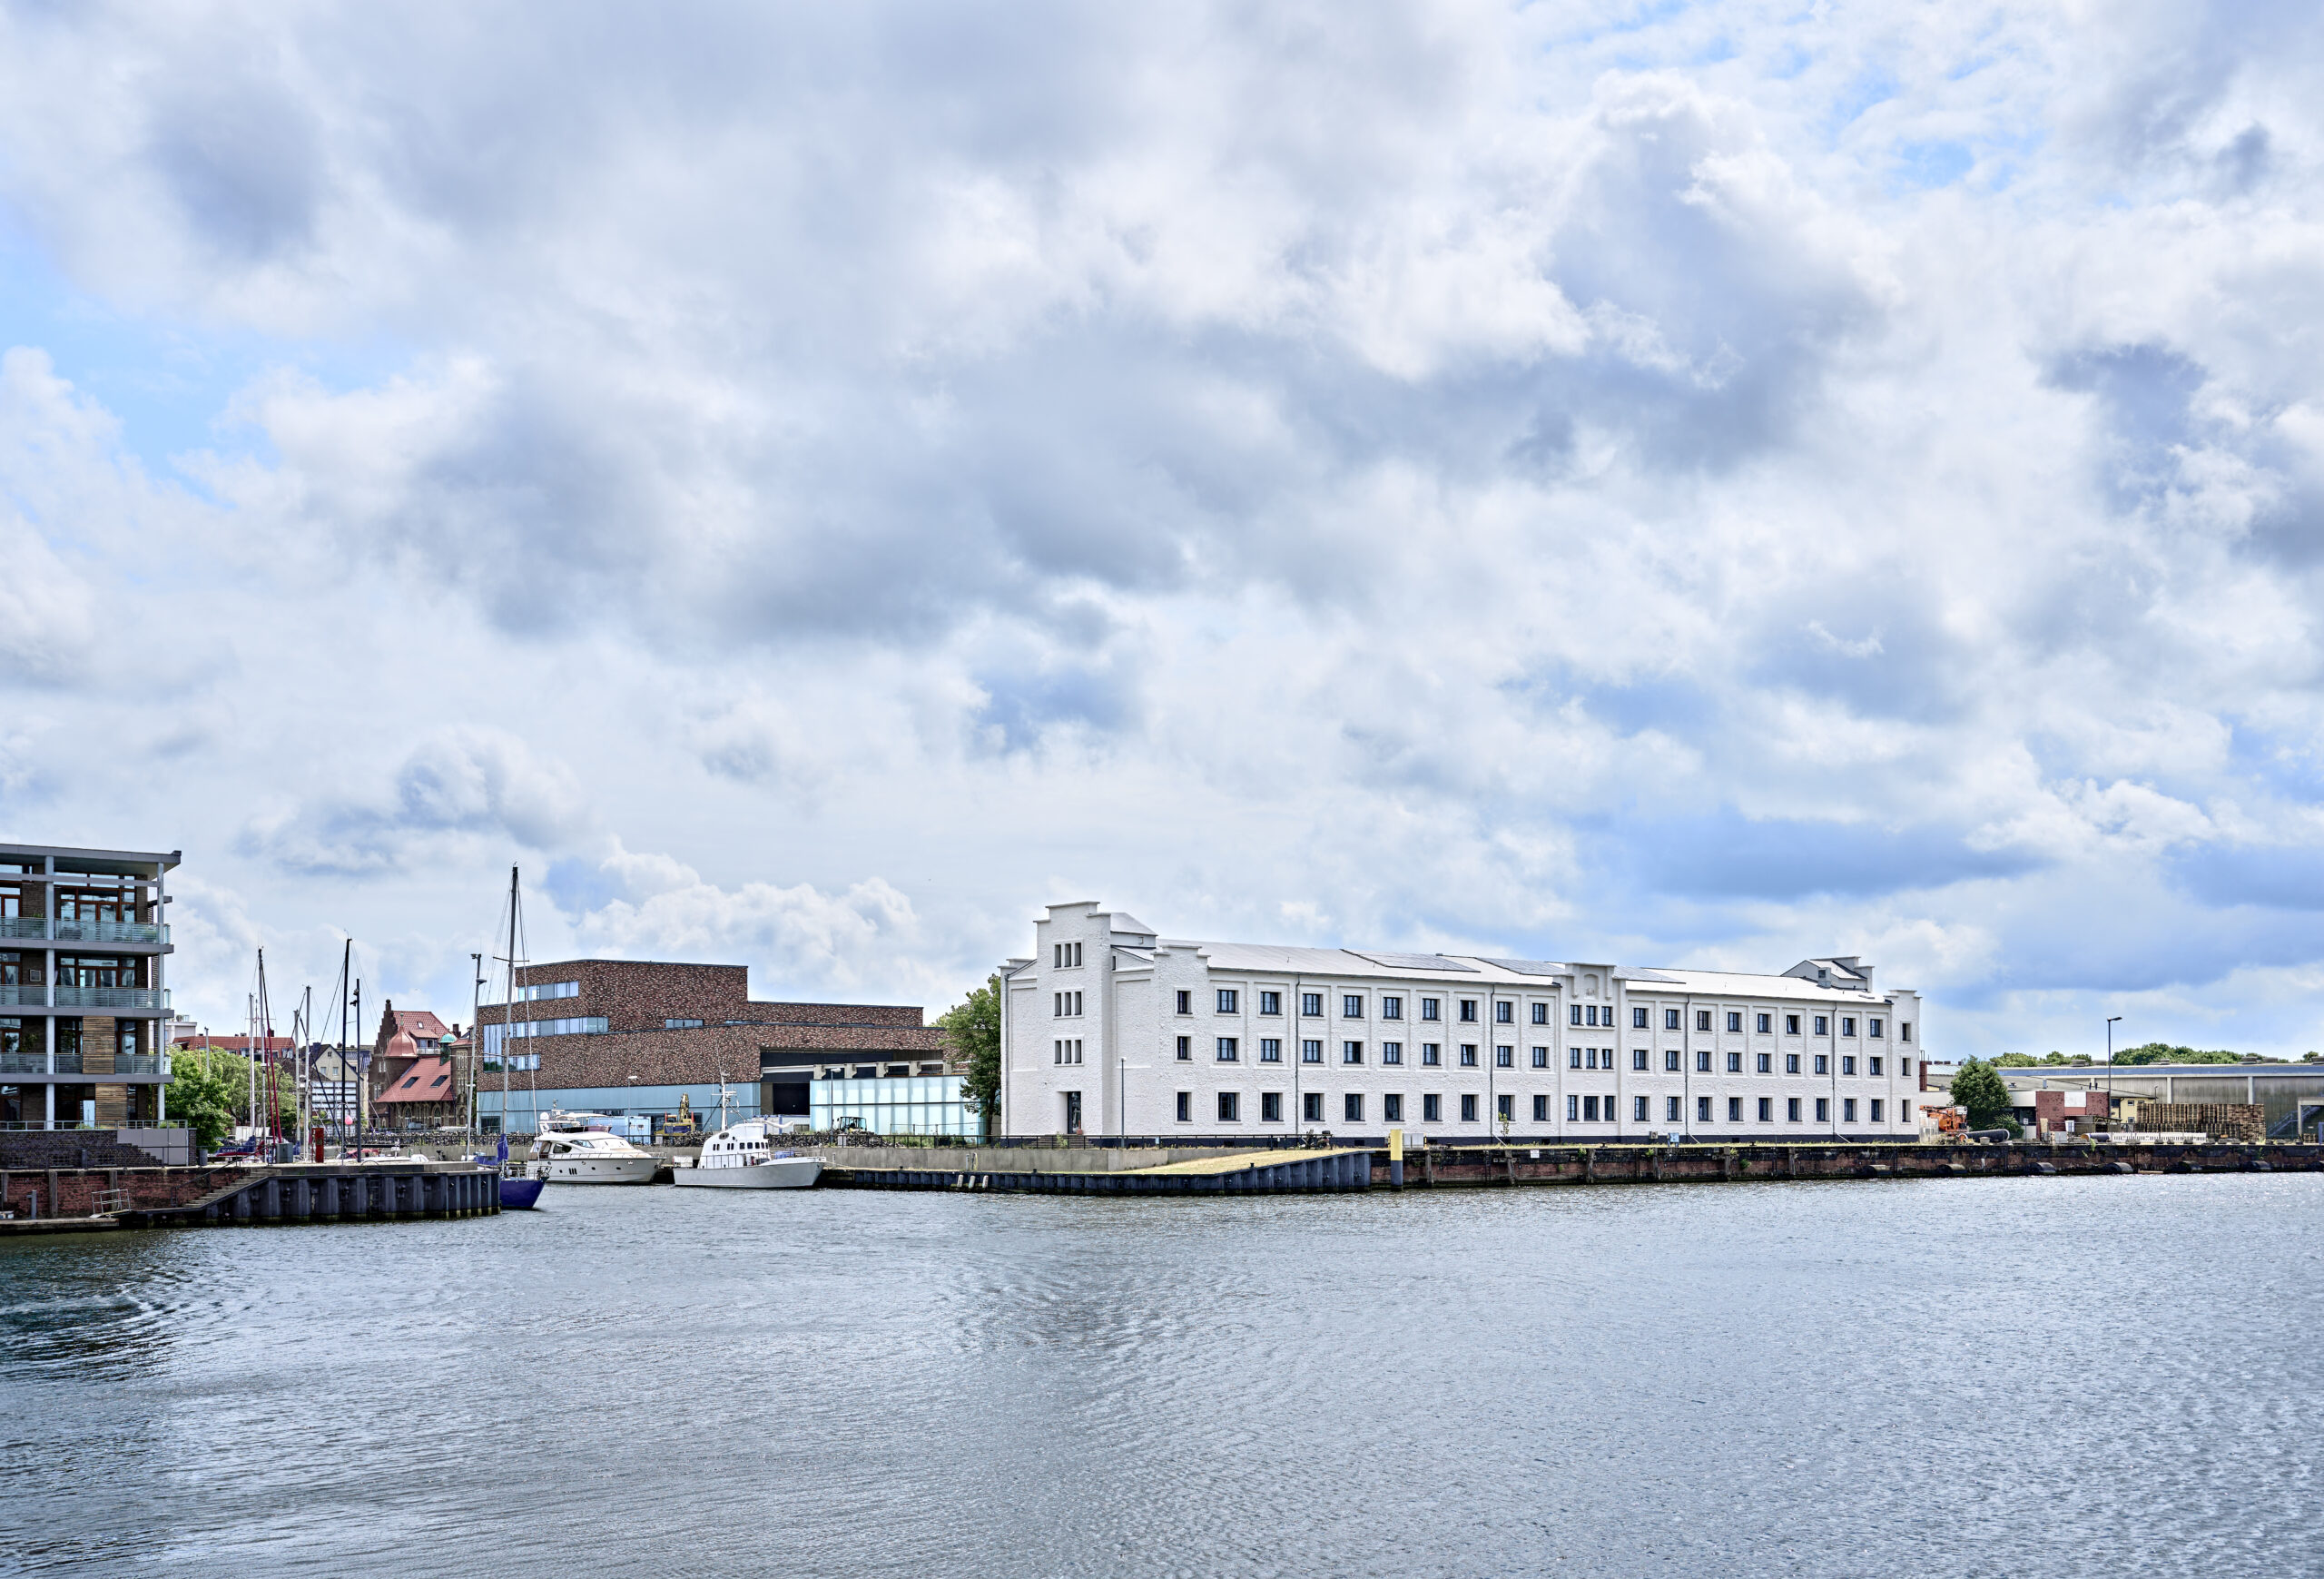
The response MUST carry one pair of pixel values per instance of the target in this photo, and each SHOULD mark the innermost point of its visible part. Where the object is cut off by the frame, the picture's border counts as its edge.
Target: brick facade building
(636, 1034)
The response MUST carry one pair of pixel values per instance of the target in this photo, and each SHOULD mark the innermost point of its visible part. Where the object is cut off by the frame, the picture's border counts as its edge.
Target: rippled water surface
(1952, 1376)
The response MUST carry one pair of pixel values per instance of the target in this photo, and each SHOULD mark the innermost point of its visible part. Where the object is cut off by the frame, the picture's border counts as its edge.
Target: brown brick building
(633, 1035)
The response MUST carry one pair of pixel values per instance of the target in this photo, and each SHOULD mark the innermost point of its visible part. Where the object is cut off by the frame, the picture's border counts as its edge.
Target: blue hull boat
(519, 1194)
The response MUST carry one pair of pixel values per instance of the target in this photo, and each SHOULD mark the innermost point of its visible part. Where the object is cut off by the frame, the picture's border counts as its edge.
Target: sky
(811, 485)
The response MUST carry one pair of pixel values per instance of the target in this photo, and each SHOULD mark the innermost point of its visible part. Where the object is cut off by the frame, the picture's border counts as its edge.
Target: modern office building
(83, 1003)
(632, 1037)
(1109, 1029)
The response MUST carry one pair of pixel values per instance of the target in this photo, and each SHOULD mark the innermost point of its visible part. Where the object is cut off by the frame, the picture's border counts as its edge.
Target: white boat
(591, 1156)
(739, 1157)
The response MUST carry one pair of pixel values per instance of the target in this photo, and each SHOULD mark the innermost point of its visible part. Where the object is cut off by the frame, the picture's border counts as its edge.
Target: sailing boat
(519, 1192)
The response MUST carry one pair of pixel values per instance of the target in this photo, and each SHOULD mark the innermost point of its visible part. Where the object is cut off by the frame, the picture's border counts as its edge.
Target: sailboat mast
(508, 1007)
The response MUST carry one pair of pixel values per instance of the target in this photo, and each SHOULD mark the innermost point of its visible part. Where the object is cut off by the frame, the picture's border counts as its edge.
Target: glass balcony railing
(13, 994)
(37, 1063)
(64, 931)
(109, 998)
(140, 1063)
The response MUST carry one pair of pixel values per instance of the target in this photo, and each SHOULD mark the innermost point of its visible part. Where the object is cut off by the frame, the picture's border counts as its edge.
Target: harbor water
(1972, 1376)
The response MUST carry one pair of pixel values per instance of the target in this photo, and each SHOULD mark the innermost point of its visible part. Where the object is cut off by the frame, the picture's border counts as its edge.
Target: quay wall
(74, 1191)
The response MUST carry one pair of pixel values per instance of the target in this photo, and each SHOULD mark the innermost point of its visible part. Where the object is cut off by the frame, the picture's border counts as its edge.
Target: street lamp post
(2109, 1067)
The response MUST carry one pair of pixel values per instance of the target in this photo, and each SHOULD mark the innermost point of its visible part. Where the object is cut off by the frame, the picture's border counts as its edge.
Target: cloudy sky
(1648, 482)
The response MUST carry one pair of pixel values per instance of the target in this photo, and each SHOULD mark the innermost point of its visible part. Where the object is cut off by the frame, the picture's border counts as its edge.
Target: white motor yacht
(591, 1156)
(740, 1157)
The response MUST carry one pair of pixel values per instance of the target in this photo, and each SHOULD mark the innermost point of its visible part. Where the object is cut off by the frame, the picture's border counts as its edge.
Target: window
(1431, 1110)
(1872, 1066)
(1872, 1028)
(1429, 1008)
(1904, 1066)
(1067, 1050)
(1351, 1053)
(1791, 1109)
(1228, 1050)
(681, 1025)
(1270, 1049)
(1185, 1049)
(1186, 1002)
(1763, 1023)
(1572, 1109)
(1671, 1112)
(1230, 1108)
(1066, 954)
(1589, 1110)
(1791, 1025)
(1702, 1019)
(1351, 1006)
(1229, 1001)
(1311, 1108)
(1540, 1109)
(1311, 1004)
(1270, 1002)
(1904, 1112)
(1392, 1008)
(1504, 1012)
(1072, 1111)
(1391, 1052)
(1351, 1109)
(1468, 1055)
(1637, 1058)
(1540, 1013)
(1791, 1064)
(1702, 1061)
(1904, 1030)
(1767, 1110)
(1541, 1058)
(1735, 1109)
(1573, 1058)
(1574, 1015)
(1505, 1107)
(1670, 1020)
(1823, 1063)
(1468, 1110)
(1734, 1020)
(1431, 1053)
(1311, 1052)
(1847, 1110)
(1875, 1109)
(534, 994)
(1504, 1057)
(1638, 1019)
(1392, 1109)
(1270, 1107)
(1847, 1025)
(1590, 1058)
(1823, 1026)
(1847, 1065)
(1186, 1106)
(1670, 1060)
(1469, 1011)
(1823, 1110)
(1067, 1006)
(1734, 1063)
(1702, 1110)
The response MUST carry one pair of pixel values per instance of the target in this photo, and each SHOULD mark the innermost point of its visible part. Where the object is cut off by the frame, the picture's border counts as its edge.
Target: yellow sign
(1395, 1145)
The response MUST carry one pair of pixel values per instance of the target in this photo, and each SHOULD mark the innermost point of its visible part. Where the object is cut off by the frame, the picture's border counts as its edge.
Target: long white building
(1109, 1029)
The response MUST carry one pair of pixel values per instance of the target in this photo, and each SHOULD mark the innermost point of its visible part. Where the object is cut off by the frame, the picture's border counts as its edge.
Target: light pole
(2111, 1019)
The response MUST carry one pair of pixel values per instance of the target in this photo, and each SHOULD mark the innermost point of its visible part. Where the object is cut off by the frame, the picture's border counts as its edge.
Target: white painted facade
(1136, 1034)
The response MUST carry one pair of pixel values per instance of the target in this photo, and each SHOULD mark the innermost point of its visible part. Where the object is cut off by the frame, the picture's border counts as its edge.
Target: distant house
(418, 1071)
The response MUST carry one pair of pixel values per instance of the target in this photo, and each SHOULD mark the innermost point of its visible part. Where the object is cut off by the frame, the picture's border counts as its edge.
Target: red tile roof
(428, 1079)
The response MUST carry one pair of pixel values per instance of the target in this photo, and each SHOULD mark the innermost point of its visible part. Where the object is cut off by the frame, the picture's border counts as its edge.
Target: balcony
(66, 1063)
(13, 995)
(51, 929)
(144, 998)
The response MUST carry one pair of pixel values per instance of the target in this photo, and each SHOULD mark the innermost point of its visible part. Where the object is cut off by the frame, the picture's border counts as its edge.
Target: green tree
(2163, 1053)
(1979, 1091)
(206, 1087)
(974, 1027)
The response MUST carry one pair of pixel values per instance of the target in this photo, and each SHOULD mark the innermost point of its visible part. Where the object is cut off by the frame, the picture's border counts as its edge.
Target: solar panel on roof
(1529, 967)
(1414, 961)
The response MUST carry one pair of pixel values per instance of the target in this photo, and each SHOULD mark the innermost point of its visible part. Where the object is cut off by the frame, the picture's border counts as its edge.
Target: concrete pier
(1504, 1166)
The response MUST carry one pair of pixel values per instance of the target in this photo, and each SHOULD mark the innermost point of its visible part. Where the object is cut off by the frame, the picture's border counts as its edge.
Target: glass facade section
(909, 1105)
